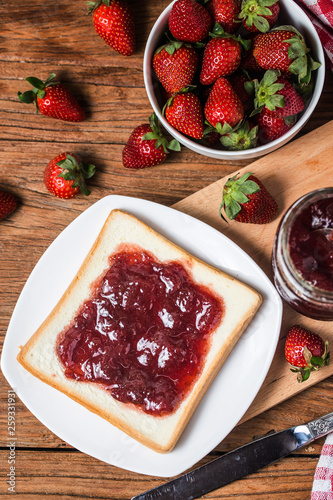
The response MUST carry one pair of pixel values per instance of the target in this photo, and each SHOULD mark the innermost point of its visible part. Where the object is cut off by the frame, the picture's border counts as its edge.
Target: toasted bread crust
(39, 356)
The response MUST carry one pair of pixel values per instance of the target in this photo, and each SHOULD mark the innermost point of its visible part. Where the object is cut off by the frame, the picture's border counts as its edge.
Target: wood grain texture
(37, 38)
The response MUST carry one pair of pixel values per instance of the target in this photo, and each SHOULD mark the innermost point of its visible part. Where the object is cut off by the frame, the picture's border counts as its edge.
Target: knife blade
(240, 462)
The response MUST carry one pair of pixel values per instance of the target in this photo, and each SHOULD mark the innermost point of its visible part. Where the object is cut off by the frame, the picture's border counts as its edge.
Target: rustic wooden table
(38, 38)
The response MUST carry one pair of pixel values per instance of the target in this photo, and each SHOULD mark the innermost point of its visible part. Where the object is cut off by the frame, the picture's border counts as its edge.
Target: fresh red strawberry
(189, 21)
(244, 137)
(65, 175)
(175, 65)
(8, 203)
(242, 85)
(259, 15)
(272, 125)
(293, 101)
(223, 106)
(210, 138)
(305, 90)
(245, 199)
(305, 351)
(249, 63)
(222, 56)
(276, 93)
(146, 146)
(53, 99)
(225, 13)
(284, 49)
(114, 22)
(204, 93)
(184, 112)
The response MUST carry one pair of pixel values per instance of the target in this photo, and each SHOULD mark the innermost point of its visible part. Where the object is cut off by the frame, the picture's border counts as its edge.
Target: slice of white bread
(39, 355)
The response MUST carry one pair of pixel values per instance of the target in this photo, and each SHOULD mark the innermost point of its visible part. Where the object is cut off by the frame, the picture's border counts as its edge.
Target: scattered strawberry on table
(305, 351)
(147, 146)
(66, 174)
(231, 69)
(53, 99)
(114, 22)
(8, 203)
(245, 199)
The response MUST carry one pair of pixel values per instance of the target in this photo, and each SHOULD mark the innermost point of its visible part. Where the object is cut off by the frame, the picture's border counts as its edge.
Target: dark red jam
(311, 244)
(143, 334)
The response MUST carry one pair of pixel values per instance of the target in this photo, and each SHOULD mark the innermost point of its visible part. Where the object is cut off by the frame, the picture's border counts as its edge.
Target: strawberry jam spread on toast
(144, 332)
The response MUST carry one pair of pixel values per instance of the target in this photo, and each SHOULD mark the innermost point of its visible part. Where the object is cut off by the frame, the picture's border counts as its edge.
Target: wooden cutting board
(296, 169)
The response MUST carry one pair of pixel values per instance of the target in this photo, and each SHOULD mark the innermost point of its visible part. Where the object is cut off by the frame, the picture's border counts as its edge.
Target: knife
(240, 462)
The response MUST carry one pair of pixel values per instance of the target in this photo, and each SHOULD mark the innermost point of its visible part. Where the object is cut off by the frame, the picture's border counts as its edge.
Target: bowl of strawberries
(233, 79)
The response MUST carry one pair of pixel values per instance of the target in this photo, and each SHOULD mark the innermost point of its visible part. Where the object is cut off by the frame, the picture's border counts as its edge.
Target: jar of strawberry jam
(303, 255)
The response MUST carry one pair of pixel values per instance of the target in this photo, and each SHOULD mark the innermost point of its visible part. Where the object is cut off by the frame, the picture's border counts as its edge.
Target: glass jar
(303, 255)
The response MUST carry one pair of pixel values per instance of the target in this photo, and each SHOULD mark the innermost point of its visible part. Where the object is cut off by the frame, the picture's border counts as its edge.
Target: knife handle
(321, 426)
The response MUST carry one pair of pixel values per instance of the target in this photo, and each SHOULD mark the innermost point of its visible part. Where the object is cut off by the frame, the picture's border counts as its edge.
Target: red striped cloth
(322, 488)
(321, 14)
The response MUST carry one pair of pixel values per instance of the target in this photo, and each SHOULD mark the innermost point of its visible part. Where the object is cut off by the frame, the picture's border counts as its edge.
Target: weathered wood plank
(70, 474)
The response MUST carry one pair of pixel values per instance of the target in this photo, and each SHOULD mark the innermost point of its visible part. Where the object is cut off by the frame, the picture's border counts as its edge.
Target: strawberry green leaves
(73, 170)
(38, 89)
(147, 146)
(254, 13)
(266, 92)
(65, 175)
(245, 199)
(160, 140)
(234, 194)
(93, 5)
(244, 137)
(302, 63)
(218, 31)
(53, 99)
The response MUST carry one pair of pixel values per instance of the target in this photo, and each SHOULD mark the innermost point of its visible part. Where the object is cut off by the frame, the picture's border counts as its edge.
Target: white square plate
(230, 394)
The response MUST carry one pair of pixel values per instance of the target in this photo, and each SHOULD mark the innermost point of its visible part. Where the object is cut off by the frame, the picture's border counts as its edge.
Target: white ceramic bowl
(292, 14)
